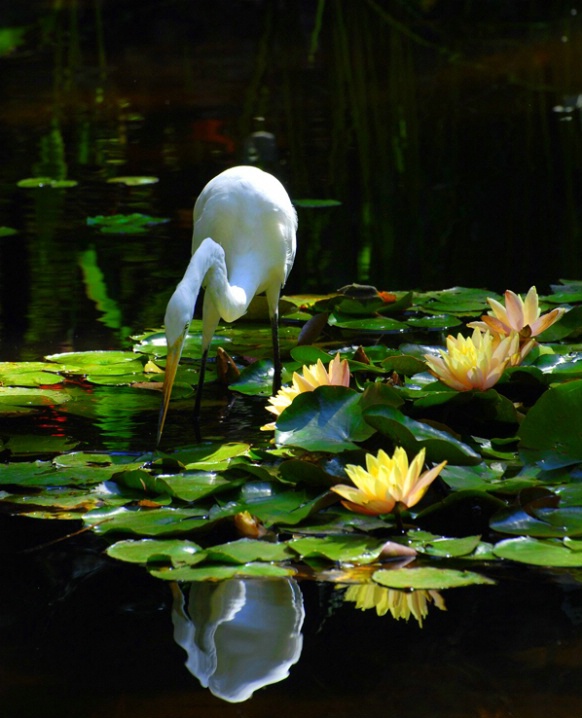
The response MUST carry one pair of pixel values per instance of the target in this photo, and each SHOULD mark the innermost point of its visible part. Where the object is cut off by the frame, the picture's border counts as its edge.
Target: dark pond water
(81, 636)
(450, 133)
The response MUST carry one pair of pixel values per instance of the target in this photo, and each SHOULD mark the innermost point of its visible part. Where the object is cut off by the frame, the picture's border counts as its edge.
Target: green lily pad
(249, 551)
(461, 301)
(220, 573)
(27, 397)
(146, 522)
(326, 419)
(428, 578)
(537, 552)
(414, 435)
(404, 364)
(380, 324)
(434, 321)
(346, 549)
(175, 552)
(29, 374)
(7, 232)
(485, 477)
(448, 547)
(95, 362)
(272, 506)
(192, 485)
(540, 523)
(551, 433)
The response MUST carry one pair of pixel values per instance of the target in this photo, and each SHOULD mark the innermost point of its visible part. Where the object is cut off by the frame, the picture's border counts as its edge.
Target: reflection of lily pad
(125, 223)
(42, 182)
(133, 181)
(316, 203)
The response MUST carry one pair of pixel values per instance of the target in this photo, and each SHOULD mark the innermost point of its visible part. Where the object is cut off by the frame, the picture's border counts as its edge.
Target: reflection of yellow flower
(386, 482)
(475, 362)
(315, 375)
(401, 604)
(518, 315)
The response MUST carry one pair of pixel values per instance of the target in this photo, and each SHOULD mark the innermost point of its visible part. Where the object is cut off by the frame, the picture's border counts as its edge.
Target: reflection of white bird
(240, 634)
(243, 244)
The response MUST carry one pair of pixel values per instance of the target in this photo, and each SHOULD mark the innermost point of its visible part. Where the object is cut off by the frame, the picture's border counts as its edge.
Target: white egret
(243, 244)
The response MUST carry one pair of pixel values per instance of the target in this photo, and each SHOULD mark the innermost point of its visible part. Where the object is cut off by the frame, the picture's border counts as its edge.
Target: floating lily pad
(414, 435)
(551, 433)
(448, 547)
(146, 522)
(461, 301)
(175, 552)
(22, 396)
(246, 551)
(540, 523)
(347, 548)
(326, 419)
(382, 325)
(187, 486)
(428, 578)
(434, 322)
(220, 573)
(29, 374)
(537, 552)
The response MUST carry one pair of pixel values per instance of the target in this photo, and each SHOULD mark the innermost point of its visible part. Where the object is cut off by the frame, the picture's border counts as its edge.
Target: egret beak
(172, 361)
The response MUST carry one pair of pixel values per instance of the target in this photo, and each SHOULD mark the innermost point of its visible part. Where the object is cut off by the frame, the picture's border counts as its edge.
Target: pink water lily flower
(518, 315)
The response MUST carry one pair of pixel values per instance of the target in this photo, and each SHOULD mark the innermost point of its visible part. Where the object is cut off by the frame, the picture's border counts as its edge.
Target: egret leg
(198, 398)
(276, 352)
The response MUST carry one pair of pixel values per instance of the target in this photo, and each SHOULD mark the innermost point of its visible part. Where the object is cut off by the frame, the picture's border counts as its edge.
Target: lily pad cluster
(510, 489)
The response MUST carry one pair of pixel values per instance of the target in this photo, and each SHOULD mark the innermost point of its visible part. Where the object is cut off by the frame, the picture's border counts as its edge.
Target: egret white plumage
(243, 244)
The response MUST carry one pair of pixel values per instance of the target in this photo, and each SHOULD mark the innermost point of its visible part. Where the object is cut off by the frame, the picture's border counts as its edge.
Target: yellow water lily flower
(401, 604)
(337, 374)
(386, 482)
(474, 362)
(518, 315)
